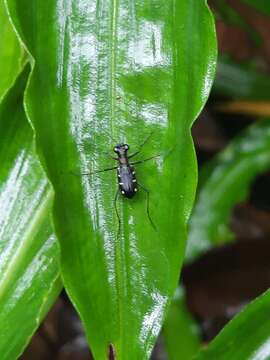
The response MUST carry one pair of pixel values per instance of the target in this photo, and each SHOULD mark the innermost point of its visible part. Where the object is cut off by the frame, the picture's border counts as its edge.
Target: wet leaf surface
(88, 96)
(29, 261)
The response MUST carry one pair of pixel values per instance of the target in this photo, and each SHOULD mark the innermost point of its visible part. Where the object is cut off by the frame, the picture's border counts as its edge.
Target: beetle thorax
(123, 159)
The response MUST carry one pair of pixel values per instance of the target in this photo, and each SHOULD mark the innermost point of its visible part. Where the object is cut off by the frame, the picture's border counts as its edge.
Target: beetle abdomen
(127, 180)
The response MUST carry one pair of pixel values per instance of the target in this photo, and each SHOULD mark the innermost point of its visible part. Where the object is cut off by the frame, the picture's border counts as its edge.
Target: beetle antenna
(110, 136)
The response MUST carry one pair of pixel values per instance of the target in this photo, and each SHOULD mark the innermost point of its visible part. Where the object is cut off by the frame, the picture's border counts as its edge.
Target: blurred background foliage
(228, 264)
(227, 259)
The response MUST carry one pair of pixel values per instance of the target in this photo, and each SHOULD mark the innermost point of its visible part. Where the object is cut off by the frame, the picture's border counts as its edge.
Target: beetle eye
(126, 147)
(115, 149)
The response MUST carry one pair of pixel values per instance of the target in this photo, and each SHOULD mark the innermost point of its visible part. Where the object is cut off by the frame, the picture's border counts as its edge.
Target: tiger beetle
(126, 176)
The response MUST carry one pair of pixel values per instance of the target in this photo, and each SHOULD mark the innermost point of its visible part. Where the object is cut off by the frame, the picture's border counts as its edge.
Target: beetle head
(121, 148)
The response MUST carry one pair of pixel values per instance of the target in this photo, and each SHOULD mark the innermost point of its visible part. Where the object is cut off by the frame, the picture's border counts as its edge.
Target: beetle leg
(142, 161)
(99, 171)
(147, 206)
(141, 146)
(109, 155)
(96, 148)
(167, 153)
(116, 210)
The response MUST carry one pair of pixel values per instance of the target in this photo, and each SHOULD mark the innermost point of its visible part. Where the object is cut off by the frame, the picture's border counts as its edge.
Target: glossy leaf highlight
(120, 70)
(29, 255)
(225, 181)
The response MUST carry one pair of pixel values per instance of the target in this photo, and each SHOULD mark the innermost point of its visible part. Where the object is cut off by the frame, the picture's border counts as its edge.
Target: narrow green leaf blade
(247, 336)
(29, 255)
(241, 81)
(261, 5)
(11, 53)
(180, 332)
(83, 94)
(230, 16)
(224, 182)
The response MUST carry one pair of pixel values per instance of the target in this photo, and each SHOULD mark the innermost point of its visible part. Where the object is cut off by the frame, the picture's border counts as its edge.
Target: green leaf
(29, 269)
(247, 336)
(180, 331)
(241, 81)
(11, 53)
(225, 181)
(81, 97)
(261, 5)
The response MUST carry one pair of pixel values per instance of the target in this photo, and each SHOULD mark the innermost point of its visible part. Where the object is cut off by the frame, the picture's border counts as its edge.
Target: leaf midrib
(117, 247)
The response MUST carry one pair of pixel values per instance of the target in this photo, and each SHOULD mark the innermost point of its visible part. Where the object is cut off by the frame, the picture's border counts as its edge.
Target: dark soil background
(221, 282)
